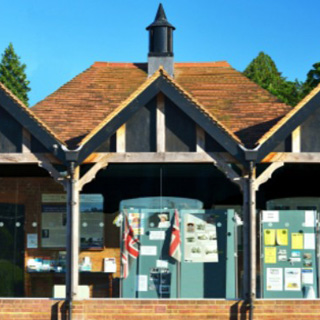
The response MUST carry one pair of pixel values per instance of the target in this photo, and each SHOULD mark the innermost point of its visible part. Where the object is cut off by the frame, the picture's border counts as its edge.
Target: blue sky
(59, 39)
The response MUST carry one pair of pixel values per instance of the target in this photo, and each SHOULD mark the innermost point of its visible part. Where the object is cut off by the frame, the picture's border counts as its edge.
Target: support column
(249, 236)
(73, 216)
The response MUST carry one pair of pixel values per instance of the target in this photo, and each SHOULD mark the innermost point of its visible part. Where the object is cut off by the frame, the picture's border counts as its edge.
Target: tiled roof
(243, 108)
(21, 105)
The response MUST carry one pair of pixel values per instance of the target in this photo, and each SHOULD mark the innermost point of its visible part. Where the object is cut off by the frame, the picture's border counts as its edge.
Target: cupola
(160, 43)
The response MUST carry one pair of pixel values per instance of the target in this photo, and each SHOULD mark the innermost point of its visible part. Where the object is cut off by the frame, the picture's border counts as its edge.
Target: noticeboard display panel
(288, 254)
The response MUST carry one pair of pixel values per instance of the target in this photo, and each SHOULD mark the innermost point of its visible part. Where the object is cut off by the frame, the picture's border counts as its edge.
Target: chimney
(160, 44)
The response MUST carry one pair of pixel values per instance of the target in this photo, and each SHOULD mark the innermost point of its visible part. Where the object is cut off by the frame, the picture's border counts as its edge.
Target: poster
(270, 216)
(148, 250)
(269, 237)
(309, 241)
(136, 221)
(157, 235)
(282, 237)
(307, 275)
(54, 220)
(309, 219)
(274, 279)
(282, 255)
(270, 255)
(159, 220)
(297, 241)
(201, 243)
(142, 282)
(292, 279)
(32, 240)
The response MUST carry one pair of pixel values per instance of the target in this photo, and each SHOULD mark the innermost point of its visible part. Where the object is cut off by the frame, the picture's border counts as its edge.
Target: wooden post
(249, 236)
(73, 216)
(161, 126)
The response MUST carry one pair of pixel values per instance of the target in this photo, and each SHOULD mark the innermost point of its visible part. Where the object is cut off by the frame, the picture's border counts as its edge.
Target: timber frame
(246, 160)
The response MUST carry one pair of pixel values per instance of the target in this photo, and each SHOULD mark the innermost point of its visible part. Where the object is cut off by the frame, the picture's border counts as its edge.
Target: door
(12, 250)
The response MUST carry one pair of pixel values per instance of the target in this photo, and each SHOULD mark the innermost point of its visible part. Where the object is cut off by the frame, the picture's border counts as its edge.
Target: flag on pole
(175, 244)
(129, 248)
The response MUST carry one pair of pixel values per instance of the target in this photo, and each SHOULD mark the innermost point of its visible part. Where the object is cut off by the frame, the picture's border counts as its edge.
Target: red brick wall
(38, 309)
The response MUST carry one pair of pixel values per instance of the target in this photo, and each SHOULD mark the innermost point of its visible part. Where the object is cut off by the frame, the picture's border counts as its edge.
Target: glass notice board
(288, 254)
(208, 265)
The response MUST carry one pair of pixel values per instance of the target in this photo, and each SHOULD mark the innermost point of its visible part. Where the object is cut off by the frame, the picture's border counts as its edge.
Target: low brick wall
(96, 309)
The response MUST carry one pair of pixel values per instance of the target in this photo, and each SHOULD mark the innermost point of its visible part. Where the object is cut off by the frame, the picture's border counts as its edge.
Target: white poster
(270, 216)
(307, 275)
(162, 264)
(309, 218)
(309, 241)
(292, 279)
(274, 279)
(157, 235)
(148, 250)
(32, 240)
(201, 243)
(142, 282)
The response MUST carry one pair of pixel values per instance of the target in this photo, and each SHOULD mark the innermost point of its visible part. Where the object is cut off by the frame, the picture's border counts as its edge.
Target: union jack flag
(129, 248)
(175, 244)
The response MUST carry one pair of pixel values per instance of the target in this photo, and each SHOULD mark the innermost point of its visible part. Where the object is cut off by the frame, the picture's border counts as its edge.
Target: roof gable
(240, 106)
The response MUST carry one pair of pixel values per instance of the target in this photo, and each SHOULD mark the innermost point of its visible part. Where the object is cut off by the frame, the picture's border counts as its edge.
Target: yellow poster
(296, 240)
(282, 237)
(270, 255)
(269, 237)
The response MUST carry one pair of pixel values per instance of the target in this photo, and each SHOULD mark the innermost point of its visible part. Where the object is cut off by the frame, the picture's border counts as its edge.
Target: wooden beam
(266, 174)
(160, 157)
(26, 141)
(292, 157)
(200, 139)
(26, 158)
(296, 140)
(121, 139)
(161, 124)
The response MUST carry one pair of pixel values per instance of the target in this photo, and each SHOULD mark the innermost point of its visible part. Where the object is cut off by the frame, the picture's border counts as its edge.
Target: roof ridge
(222, 63)
(29, 111)
(98, 64)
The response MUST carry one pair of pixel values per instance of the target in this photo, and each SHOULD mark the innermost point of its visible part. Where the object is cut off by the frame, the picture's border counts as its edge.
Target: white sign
(292, 279)
(270, 216)
(142, 282)
(110, 265)
(309, 218)
(309, 241)
(307, 276)
(162, 264)
(274, 279)
(32, 240)
(157, 235)
(148, 250)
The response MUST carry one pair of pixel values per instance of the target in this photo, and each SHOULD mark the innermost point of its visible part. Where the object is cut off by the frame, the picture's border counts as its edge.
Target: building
(166, 131)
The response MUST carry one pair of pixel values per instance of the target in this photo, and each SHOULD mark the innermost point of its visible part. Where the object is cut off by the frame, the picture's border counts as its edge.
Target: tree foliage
(263, 71)
(313, 79)
(12, 74)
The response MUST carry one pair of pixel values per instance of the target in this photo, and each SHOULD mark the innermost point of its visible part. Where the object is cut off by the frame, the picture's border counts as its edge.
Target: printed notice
(142, 282)
(282, 237)
(32, 241)
(148, 250)
(270, 216)
(157, 235)
(307, 275)
(274, 279)
(292, 279)
(309, 218)
(270, 255)
(297, 241)
(309, 241)
(269, 237)
(162, 264)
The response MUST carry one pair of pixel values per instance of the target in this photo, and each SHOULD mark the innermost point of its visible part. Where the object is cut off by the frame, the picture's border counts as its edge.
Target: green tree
(263, 71)
(12, 74)
(313, 79)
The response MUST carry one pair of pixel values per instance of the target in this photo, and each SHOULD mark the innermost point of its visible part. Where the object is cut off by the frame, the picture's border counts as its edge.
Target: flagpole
(178, 279)
(121, 247)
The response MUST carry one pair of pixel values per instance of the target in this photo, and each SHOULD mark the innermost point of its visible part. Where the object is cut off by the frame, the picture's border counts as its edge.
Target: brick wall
(46, 309)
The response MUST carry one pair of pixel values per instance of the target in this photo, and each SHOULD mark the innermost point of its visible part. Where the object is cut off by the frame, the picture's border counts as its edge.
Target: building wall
(46, 309)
